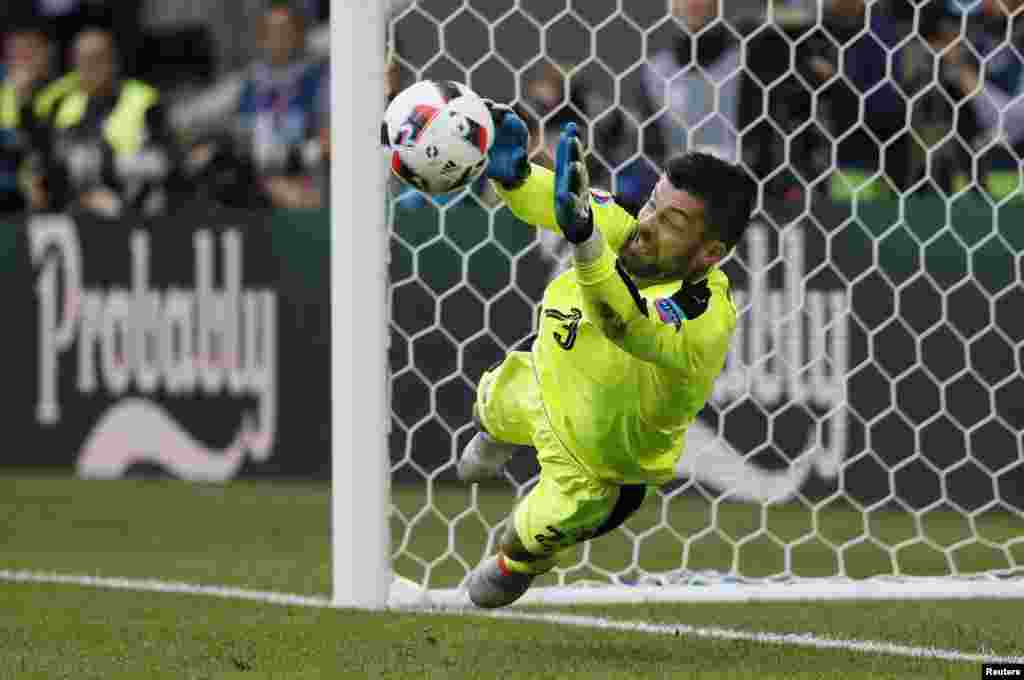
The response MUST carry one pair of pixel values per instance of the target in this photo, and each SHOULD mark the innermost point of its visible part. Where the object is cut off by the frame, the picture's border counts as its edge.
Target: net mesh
(869, 419)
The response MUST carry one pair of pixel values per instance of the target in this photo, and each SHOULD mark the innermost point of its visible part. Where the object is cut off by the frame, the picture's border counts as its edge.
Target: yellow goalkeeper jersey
(621, 375)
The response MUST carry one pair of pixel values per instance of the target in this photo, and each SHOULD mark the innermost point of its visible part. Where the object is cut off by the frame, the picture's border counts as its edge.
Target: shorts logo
(555, 538)
(550, 541)
(669, 312)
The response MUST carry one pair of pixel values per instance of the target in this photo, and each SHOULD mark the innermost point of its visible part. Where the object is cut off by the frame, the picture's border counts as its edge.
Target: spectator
(694, 118)
(865, 66)
(27, 94)
(318, 149)
(271, 113)
(67, 18)
(108, 148)
(994, 113)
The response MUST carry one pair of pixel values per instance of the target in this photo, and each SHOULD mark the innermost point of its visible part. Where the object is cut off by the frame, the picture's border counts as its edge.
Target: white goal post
(864, 440)
(359, 463)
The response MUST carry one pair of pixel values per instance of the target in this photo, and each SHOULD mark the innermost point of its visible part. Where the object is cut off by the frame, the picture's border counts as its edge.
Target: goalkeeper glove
(572, 188)
(509, 162)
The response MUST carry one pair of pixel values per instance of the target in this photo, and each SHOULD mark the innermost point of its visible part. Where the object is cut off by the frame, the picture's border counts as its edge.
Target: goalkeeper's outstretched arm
(533, 202)
(533, 199)
(529, 189)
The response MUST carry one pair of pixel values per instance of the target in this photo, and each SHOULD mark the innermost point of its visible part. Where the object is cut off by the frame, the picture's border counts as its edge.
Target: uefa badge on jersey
(670, 312)
(600, 197)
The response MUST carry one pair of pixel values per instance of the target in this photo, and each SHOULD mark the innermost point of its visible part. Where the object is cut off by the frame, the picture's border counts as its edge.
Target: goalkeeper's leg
(507, 404)
(566, 507)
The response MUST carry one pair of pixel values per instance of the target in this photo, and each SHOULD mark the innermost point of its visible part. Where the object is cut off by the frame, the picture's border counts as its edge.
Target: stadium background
(926, 287)
(192, 342)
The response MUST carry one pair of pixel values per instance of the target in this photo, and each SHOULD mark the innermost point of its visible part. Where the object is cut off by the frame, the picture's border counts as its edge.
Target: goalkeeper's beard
(647, 269)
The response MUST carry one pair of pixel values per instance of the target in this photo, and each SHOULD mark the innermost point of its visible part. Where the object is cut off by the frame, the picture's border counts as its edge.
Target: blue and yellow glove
(509, 161)
(572, 188)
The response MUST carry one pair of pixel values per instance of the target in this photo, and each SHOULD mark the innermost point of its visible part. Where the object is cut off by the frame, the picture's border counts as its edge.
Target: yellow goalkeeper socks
(510, 566)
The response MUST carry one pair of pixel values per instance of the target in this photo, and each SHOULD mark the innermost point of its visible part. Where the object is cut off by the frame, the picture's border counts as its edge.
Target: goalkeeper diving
(630, 341)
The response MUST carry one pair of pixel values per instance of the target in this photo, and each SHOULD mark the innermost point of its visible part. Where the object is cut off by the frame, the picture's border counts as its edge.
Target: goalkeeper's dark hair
(728, 193)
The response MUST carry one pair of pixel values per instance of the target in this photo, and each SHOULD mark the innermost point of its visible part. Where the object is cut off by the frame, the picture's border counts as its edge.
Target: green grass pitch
(275, 536)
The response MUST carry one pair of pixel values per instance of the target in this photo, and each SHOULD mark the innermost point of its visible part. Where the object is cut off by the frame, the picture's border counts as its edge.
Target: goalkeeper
(630, 341)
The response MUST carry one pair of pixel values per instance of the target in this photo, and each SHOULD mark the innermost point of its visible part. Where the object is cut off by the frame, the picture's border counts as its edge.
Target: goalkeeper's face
(669, 241)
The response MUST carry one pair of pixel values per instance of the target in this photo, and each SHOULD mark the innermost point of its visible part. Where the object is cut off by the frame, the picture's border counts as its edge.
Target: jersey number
(570, 324)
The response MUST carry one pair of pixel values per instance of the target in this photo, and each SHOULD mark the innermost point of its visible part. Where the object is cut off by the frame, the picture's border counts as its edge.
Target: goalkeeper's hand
(509, 162)
(572, 188)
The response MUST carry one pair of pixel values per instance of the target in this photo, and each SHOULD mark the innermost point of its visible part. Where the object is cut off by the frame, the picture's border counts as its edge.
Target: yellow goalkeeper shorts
(568, 505)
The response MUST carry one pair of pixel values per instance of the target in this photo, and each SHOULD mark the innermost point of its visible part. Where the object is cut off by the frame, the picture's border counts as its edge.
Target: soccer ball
(439, 133)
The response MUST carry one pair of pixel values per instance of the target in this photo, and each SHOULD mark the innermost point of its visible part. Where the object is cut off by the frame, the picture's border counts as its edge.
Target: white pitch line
(155, 586)
(795, 639)
(709, 633)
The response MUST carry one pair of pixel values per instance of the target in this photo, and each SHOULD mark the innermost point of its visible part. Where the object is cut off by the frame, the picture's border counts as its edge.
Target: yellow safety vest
(10, 109)
(10, 114)
(53, 92)
(125, 125)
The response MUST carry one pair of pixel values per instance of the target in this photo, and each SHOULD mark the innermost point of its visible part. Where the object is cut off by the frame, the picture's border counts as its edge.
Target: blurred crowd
(82, 127)
(824, 96)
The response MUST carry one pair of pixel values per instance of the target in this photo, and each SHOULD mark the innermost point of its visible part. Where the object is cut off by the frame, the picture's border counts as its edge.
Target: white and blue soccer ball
(438, 133)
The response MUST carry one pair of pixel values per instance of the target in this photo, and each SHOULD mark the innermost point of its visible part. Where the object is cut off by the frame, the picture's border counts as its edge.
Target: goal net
(865, 436)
